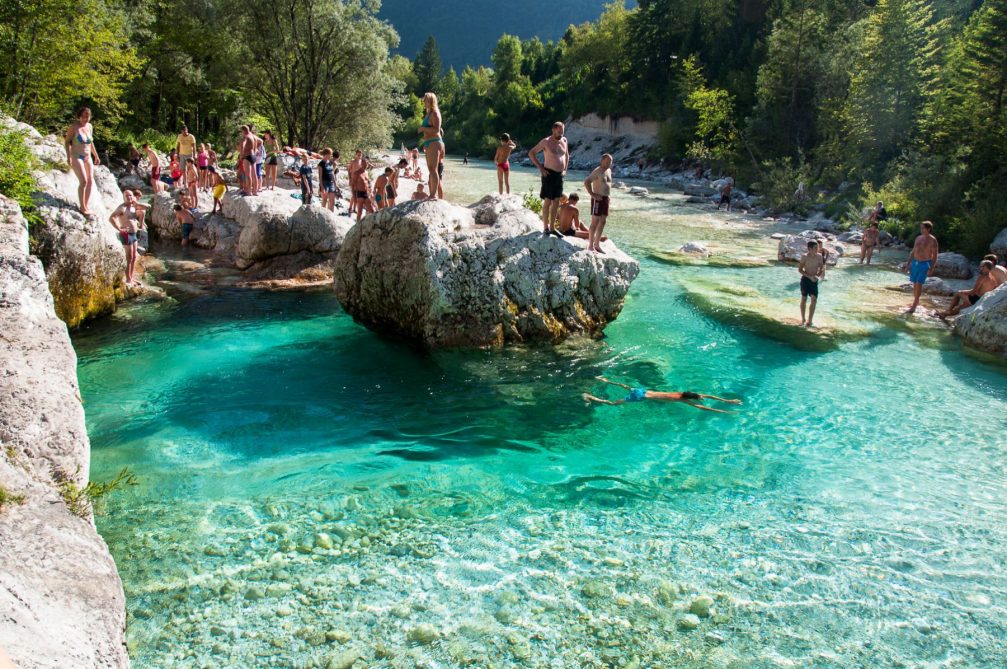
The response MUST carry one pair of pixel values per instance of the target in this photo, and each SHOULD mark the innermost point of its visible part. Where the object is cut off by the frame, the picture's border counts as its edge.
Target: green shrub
(16, 165)
(973, 232)
(532, 201)
(778, 183)
(92, 497)
(9, 498)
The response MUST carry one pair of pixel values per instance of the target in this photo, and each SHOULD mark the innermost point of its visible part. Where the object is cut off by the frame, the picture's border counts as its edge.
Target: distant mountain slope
(467, 30)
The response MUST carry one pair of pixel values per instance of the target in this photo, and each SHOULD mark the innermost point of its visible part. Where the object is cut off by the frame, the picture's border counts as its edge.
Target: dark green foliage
(16, 165)
(427, 67)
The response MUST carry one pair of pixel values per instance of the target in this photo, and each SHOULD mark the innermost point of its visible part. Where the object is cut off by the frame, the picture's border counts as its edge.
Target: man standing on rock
(556, 157)
(246, 160)
(812, 268)
(599, 186)
(185, 144)
(922, 261)
(127, 219)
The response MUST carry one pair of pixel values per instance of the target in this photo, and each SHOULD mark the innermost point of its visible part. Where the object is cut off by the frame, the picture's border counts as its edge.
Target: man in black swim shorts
(811, 267)
(555, 158)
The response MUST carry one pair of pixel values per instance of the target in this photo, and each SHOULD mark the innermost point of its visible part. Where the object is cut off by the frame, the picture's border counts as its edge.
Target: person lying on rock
(640, 394)
(966, 298)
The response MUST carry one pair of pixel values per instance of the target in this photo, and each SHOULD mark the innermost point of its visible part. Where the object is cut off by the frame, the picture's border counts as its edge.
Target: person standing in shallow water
(812, 268)
(555, 158)
(599, 186)
(126, 220)
(81, 156)
(433, 143)
(640, 394)
(922, 261)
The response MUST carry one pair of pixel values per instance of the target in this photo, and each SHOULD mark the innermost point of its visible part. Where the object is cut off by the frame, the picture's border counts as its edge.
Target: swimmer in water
(640, 394)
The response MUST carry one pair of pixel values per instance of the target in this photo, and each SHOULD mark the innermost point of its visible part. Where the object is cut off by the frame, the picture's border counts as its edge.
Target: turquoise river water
(309, 493)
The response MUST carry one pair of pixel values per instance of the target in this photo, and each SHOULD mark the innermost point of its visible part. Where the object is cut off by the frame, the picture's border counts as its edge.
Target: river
(308, 492)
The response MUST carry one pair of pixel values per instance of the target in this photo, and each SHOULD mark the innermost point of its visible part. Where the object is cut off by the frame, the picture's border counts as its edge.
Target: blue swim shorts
(918, 270)
(636, 395)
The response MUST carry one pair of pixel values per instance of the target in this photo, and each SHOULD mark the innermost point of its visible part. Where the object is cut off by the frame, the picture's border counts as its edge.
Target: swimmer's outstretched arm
(614, 383)
(706, 408)
(720, 399)
(591, 398)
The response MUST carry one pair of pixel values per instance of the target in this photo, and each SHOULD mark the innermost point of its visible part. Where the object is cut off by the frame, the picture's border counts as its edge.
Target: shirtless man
(871, 236)
(246, 160)
(383, 189)
(725, 196)
(155, 169)
(811, 267)
(999, 273)
(599, 187)
(127, 220)
(922, 261)
(419, 194)
(351, 170)
(640, 394)
(394, 180)
(568, 222)
(502, 160)
(361, 186)
(556, 156)
(186, 222)
(966, 298)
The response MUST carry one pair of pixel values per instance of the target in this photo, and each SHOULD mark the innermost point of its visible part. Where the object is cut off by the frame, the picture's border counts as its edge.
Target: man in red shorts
(599, 187)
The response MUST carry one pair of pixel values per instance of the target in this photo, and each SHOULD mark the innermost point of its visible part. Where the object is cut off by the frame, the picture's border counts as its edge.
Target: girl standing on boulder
(433, 143)
(82, 156)
(272, 159)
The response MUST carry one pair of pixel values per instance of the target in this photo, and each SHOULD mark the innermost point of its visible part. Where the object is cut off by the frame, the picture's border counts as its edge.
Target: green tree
(428, 67)
(894, 74)
(507, 60)
(57, 54)
(325, 77)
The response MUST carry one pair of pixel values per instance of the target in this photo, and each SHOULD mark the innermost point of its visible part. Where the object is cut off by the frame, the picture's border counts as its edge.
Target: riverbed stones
(343, 660)
(689, 621)
(695, 248)
(984, 326)
(424, 634)
(484, 275)
(61, 599)
(701, 606)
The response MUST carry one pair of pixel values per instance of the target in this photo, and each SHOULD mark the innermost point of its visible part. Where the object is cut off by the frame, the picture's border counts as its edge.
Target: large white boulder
(61, 600)
(309, 228)
(999, 245)
(484, 275)
(794, 247)
(932, 286)
(953, 266)
(83, 259)
(984, 325)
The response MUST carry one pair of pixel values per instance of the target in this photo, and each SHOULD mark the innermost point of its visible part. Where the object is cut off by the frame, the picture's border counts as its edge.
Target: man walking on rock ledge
(555, 157)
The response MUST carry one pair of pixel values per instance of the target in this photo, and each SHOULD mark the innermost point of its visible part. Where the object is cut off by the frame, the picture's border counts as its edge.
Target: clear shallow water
(851, 513)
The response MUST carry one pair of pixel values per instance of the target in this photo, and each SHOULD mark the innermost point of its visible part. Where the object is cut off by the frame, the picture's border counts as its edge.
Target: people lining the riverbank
(985, 282)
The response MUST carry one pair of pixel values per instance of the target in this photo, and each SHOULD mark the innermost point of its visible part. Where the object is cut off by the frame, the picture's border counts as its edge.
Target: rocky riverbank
(61, 599)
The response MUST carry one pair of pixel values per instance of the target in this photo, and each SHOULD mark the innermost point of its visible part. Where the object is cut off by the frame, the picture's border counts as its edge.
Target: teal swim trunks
(637, 394)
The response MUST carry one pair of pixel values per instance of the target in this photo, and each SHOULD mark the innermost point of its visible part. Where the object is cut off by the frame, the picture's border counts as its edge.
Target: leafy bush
(159, 141)
(533, 201)
(9, 498)
(90, 498)
(778, 185)
(973, 232)
(16, 165)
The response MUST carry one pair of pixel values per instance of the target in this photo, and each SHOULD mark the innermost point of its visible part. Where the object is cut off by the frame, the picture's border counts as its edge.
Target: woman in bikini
(640, 394)
(273, 160)
(203, 162)
(82, 156)
(328, 168)
(433, 142)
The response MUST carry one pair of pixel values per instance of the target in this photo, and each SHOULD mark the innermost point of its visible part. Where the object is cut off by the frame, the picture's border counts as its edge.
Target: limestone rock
(984, 325)
(133, 182)
(60, 596)
(83, 259)
(932, 286)
(794, 247)
(694, 248)
(999, 245)
(851, 236)
(953, 266)
(309, 228)
(426, 271)
(638, 190)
